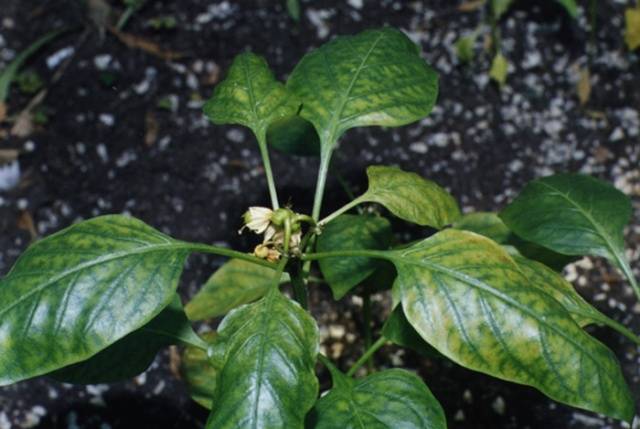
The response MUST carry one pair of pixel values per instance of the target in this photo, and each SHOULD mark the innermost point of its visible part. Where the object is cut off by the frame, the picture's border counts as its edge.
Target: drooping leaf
(570, 6)
(350, 232)
(466, 297)
(499, 69)
(632, 28)
(133, 354)
(250, 96)
(294, 135)
(573, 214)
(399, 331)
(491, 226)
(200, 373)
(410, 197)
(82, 289)
(235, 283)
(8, 74)
(376, 77)
(389, 399)
(268, 352)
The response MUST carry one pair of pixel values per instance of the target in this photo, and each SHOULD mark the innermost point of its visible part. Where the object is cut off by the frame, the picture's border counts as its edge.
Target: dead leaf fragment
(584, 86)
(23, 126)
(137, 42)
(3, 111)
(25, 222)
(151, 129)
(8, 155)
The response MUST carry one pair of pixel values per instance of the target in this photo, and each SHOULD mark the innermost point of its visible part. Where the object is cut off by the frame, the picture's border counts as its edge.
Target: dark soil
(109, 148)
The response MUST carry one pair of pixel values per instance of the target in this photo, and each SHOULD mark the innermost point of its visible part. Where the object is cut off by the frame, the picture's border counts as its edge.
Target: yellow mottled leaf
(499, 69)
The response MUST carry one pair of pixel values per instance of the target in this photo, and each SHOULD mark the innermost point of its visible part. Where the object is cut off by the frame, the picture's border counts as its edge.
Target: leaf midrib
(90, 264)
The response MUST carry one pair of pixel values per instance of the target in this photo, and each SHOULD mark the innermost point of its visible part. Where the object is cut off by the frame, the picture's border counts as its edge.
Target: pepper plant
(96, 301)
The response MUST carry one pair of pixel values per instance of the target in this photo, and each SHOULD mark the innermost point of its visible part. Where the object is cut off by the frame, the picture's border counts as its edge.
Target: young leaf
(267, 379)
(235, 283)
(9, 73)
(570, 6)
(388, 399)
(294, 135)
(374, 78)
(351, 232)
(410, 197)
(464, 47)
(499, 69)
(400, 332)
(467, 298)
(133, 354)
(80, 290)
(250, 96)
(632, 28)
(573, 214)
(200, 373)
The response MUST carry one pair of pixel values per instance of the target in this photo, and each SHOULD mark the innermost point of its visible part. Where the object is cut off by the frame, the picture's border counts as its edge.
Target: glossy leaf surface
(200, 373)
(250, 96)
(75, 292)
(572, 214)
(349, 232)
(467, 298)
(388, 399)
(267, 379)
(410, 197)
(133, 354)
(235, 283)
(376, 77)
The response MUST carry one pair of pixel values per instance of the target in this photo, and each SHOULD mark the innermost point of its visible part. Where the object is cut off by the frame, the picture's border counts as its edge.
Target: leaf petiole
(340, 211)
(266, 162)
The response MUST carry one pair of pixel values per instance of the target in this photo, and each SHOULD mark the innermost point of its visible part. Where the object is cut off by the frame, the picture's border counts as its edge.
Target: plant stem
(628, 273)
(340, 211)
(379, 254)
(266, 162)
(367, 355)
(325, 160)
(366, 316)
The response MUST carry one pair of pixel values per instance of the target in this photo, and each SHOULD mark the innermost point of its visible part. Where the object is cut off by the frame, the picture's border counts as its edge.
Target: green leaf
(293, 8)
(250, 96)
(499, 69)
(491, 226)
(466, 297)
(294, 135)
(133, 354)
(235, 283)
(200, 373)
(388, 399)
(8, 74)
(484, 223)
(500, 7)
(410, 197)
(399, 331)
(376, 77)
(573, 214)
(267, 379)
(75, 292)
(570, 6)
(351, 232)
(465, 47)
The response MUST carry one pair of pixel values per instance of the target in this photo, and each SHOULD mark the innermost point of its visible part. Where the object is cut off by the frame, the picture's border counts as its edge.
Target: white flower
(257, 219)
